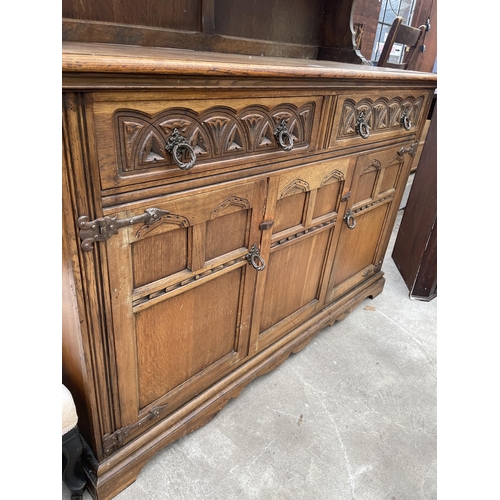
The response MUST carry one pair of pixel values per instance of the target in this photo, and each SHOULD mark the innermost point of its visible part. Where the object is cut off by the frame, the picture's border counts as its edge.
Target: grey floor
(351, 417)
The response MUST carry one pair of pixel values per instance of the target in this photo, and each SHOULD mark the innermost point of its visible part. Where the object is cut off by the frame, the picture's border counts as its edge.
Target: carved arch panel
(382, 114)
(217, 132)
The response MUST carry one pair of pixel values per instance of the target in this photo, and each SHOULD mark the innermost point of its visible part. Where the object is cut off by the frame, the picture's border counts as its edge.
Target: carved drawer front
(181, 292)
(304, 204)
(153, 137)
(364, 118)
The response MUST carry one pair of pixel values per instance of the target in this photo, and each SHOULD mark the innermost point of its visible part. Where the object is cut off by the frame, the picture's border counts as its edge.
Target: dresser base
(114, 474)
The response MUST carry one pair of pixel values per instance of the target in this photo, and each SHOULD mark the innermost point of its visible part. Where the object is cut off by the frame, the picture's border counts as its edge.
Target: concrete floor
(350, 417)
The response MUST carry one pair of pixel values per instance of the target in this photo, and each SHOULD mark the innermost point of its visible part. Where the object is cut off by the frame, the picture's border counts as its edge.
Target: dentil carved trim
(305, 232)
(372, 204)
(164, 291)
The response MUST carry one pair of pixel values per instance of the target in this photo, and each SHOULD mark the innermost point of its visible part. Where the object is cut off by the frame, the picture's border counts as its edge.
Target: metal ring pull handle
(362, 127)
(282, 133)
(176, 145)
(349, 219)
(255, 259)
(405, 120)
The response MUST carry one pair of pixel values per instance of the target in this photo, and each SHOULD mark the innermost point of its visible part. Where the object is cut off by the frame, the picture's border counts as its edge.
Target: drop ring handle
(405, 120)
(362, 127)
(283, 136)
(350, 220)
(255, 259)
(176, 146)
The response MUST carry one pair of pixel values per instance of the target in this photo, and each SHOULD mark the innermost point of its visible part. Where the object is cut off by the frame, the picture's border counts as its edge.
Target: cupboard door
(378, 184)
(303, 205)
(181, 293)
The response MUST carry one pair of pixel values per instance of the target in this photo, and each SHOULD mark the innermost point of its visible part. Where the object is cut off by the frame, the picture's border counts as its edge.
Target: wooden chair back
(407, 35)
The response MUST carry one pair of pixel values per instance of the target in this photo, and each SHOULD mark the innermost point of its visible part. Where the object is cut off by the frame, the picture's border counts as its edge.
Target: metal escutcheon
(176, 146)
(349, 219)
(362, 127)
(283, 136)
(255, 259)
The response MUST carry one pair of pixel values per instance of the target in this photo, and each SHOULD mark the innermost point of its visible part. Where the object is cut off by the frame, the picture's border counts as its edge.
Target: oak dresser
(218, 211)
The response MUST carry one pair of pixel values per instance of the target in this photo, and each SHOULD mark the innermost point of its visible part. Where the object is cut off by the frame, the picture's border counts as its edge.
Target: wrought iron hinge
(103, 228)
(411, 150)
(115, 440)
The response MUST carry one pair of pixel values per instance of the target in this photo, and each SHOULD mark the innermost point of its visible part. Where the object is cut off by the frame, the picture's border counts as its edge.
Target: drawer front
(221, 134)
(367, 118)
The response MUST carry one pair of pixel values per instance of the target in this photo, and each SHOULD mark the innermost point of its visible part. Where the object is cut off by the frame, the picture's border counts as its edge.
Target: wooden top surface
(110, 58)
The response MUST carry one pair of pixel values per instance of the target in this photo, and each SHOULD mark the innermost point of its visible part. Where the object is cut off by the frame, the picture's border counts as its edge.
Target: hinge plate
(103, 228)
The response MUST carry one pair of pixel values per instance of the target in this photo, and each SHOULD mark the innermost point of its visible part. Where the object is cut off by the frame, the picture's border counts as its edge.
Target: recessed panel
(226, 233)
(181, 336)
(293, 277)
(289, 212)
(366, 185)
(390, 177)
(357, 247)
(159, 256)
(327, 198)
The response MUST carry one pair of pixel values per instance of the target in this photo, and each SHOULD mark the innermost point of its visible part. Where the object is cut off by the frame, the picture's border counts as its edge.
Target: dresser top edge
(105, 58)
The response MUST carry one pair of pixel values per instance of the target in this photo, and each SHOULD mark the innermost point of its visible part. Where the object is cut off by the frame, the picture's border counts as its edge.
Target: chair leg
(73, 476)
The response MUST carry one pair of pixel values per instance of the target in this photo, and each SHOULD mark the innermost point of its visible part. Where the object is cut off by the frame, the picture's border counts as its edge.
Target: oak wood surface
(111, 58)
(166, 320)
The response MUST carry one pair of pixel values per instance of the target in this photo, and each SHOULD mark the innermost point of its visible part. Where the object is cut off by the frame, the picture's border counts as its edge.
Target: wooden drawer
(382, 115)
(222, 133)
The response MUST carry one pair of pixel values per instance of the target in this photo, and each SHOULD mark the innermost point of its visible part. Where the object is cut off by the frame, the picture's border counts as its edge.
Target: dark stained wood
(366, 13)
(295, 22)
(167, 319)
(408, 36)
(313, 29)
(74, 30)
(175, 14)
(415, 248)
(424, 10)
(208, 16)
(336, 40)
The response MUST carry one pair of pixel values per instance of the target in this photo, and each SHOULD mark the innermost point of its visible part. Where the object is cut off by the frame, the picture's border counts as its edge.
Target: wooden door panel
(182, 336)
(293, 278)
(289, 212)
(303, 204)
(181, 288)
(356, 255)
(225, 233)
(172, 246)
(327, 198)
(377, 190)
